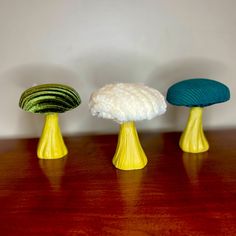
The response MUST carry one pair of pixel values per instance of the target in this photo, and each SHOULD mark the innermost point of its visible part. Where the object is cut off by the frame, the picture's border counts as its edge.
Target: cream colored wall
(88, 43)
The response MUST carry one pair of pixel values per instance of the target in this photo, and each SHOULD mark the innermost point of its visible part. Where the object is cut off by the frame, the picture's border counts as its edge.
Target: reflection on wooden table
(83, 194)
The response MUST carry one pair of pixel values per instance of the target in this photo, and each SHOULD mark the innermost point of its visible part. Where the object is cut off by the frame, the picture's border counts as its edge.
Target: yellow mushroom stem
(193, 139)
(51, 144)
(129, 154)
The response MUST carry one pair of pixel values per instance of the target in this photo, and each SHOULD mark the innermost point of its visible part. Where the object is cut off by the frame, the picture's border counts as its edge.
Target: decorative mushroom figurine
(50, 99)
(126, 103)
(196, 94)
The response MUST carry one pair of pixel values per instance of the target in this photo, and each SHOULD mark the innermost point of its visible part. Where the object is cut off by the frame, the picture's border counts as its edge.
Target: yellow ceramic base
(193, 139)
(51, 144)
(129, 153)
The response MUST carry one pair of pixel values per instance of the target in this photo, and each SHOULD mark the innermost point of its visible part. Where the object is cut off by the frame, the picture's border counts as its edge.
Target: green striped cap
(49, 98)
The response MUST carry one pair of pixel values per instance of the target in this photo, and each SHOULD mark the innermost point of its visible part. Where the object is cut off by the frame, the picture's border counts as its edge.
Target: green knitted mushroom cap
(197, 92)
(49, 98)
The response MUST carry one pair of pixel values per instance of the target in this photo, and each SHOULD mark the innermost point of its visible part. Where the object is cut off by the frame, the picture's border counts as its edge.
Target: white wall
(88, 43)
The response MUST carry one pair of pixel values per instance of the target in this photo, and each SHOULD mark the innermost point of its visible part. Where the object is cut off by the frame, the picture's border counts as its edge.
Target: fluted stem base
(193, 139)
(129, 152)
(51, 144)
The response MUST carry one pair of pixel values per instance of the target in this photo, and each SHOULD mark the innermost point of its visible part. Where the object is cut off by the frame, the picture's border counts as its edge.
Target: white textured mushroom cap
(124, 102)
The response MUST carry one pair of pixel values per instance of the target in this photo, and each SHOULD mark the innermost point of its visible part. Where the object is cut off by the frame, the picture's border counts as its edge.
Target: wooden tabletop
(83, 194)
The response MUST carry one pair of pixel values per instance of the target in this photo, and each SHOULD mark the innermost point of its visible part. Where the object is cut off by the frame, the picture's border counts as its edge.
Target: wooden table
(83, 194)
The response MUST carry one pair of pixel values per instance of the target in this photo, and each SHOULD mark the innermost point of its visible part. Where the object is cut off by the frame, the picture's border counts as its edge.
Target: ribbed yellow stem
(129, 153)
(51, 144)
(193, 139)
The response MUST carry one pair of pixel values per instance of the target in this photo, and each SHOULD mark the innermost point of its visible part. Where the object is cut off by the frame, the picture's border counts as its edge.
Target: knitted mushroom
(126, 103)
(50, 99)
(196, 94)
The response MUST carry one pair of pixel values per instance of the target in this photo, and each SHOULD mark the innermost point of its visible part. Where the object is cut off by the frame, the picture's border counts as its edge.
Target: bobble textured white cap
(124, 102)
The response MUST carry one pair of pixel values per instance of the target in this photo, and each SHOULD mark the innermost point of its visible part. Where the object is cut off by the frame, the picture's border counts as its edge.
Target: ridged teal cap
(49, 98)
(197, 92)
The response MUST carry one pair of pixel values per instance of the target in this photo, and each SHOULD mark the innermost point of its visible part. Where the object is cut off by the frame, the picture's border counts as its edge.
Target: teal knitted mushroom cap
(197, 92)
